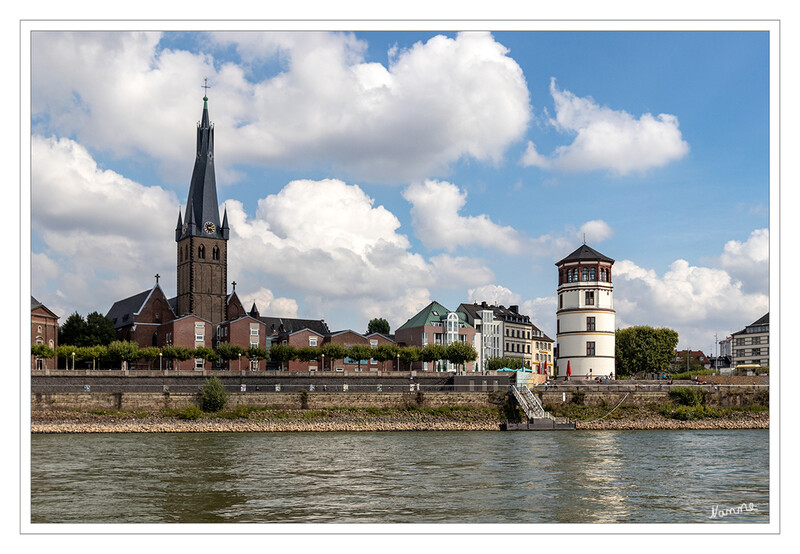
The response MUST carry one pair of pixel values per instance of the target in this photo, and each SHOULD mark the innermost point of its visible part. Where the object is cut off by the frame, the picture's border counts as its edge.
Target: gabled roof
(36, 304)
(432, 312)
(585, 253)
(763, 320)
(121, 312)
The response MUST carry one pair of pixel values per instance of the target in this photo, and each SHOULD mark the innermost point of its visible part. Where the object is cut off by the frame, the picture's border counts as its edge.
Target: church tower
(585, 318)
(202, 241)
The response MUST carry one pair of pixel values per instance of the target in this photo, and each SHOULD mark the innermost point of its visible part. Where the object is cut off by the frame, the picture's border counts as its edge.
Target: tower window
(201, 252)
(590, 323)
(592, 274)
(590, 298)
(585, 274)
(590, 348)
(215, 253)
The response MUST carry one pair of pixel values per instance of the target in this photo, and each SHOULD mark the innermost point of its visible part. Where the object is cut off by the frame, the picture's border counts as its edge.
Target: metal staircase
(530, 403)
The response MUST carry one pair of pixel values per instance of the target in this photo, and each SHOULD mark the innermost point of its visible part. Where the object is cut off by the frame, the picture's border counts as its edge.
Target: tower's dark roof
(202, 206)
(587, 253)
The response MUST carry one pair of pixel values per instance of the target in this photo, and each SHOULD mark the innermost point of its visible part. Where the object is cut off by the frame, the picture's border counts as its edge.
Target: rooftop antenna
(584, 239)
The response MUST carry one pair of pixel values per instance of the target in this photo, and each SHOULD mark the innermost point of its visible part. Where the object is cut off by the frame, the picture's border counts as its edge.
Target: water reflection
(468, 477)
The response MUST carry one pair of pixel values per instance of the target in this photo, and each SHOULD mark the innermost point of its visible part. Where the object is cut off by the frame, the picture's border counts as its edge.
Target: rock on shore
(300, 420)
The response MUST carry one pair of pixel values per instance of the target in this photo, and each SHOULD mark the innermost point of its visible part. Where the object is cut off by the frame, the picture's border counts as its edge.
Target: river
(401, 477)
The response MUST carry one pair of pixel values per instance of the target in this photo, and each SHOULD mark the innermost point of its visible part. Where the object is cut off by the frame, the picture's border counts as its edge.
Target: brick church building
(202, 313)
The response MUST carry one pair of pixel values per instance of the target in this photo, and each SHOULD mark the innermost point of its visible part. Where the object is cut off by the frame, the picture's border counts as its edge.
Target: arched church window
(215, 253)
(201, 252)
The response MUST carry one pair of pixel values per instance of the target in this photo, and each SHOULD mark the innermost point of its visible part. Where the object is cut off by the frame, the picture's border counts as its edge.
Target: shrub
(686, 396)
(190, 412)
(578, 397)
(213, 396)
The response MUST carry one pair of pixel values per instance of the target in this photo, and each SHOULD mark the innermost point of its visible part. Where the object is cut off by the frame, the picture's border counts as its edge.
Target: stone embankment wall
(722, 396)
(133, 401)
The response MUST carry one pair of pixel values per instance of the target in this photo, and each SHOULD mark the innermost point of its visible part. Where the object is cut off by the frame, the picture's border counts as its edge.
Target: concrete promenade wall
(132, 401)
(715, 396)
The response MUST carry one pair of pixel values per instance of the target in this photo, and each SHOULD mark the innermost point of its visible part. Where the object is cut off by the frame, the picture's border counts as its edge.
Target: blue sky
(369, 173)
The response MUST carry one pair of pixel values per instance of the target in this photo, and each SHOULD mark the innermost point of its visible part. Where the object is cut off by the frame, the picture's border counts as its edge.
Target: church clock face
(209, 227)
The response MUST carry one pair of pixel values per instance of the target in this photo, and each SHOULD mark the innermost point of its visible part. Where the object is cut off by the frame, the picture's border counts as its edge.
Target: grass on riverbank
(668, 410)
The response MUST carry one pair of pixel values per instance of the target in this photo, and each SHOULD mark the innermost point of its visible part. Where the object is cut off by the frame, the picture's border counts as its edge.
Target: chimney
(514, 309)
(483, 304)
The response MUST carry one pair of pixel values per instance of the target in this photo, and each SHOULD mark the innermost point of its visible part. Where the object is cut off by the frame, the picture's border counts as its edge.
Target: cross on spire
(234, 286)
(157, 277)
(205, 86)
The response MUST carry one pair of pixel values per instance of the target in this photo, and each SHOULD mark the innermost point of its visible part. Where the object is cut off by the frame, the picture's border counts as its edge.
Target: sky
(366, 174)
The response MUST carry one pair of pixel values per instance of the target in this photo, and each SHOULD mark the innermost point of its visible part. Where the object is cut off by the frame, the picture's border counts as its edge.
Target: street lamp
(323, 362)
(160, 357)
(73, 361)
(398, 362)
(240, 361)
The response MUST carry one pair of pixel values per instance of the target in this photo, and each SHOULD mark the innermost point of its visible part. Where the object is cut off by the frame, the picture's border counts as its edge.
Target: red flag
(569, 369)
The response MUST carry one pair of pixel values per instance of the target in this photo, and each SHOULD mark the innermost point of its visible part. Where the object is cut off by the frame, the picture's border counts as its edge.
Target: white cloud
(105, 246)
(493, 294)
(607, 139)
(748, 261)
(595, 231)
(695, 301)
(267, 304)
(339, 246)
(435, 211)
(435, 103)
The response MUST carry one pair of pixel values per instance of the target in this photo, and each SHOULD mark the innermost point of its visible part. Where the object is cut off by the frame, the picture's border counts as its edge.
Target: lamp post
(73, 361)
(160, 357)
(240, 361)
(323, 362)
(398, 362)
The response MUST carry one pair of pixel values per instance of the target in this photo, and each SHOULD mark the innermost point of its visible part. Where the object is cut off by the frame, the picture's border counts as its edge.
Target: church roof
(585, 253)
(122, 311)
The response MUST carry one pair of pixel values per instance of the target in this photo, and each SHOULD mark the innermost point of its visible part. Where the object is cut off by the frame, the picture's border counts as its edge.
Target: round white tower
(585, 316)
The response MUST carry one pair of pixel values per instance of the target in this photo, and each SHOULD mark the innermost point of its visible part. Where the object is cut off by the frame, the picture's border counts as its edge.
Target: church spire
(202, 201)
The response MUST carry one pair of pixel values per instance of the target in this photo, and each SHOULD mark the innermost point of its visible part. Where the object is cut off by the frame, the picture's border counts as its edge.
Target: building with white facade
(585, 319)
(751, 344)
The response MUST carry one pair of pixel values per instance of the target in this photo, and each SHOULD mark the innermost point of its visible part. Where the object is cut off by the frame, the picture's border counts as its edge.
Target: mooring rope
(609, 413)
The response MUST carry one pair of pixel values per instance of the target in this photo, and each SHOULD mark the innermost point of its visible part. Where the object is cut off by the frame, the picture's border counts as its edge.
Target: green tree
(308, 353)
(493, 364)
(41, 351)
(385, 352)
(409, 355)
(213, 396)
(99, 330)
(176, 353)
(282, 353)
(460, 352)
(205, 353)
(257, 353)
(378, 325)
(433, 353)
(73, 331)
(333, 351)
(644, 349)
(149, 354)
(360, 353)
(227, 352)
(123, 351)
(65, 351)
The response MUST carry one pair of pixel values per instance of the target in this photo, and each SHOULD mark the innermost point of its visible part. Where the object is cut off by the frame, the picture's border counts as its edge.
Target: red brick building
(44, 331)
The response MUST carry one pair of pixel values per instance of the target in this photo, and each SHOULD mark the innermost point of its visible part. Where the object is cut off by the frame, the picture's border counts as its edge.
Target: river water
(401, 477)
